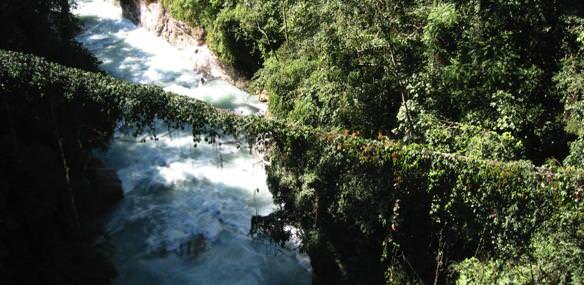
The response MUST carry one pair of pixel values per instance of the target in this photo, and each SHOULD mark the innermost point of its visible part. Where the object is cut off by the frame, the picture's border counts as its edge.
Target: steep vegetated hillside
(492, 80)
(500, 66)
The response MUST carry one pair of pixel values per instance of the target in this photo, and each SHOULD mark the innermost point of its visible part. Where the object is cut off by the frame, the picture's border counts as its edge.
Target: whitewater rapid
(186, 214)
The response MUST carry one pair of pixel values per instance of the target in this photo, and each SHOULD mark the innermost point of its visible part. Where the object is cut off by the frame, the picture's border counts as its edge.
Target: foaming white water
(186, 215)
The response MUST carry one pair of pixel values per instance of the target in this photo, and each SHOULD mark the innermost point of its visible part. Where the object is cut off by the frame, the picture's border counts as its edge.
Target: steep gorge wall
(152, 16)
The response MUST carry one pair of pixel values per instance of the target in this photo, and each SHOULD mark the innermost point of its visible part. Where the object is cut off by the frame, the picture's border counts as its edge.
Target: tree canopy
(364, 204)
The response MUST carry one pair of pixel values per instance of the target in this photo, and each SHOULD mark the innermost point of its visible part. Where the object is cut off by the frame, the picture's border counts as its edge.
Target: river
(186, 214)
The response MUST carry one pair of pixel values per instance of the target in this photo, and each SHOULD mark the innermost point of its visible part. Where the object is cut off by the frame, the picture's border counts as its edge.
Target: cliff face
(152, 16)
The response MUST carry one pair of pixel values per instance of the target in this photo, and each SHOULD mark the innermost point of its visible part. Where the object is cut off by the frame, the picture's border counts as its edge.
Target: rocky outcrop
(263, 96)
(152, 16)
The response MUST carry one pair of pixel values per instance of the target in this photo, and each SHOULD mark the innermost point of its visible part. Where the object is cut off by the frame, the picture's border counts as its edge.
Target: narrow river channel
(186, 214)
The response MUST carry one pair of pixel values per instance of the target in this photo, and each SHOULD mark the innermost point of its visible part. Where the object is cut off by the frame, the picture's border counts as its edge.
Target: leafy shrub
(555, 257)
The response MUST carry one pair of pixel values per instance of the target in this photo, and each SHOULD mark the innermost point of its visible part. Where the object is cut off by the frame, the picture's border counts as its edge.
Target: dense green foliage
(242, 33)
(476, 83)
(45, 28)
(398, 145)
(353, 64)
(372, 206)
(369, 211)
(570, 82)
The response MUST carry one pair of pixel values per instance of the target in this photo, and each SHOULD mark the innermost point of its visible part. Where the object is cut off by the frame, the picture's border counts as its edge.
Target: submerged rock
(106, 183)
(109, 185)
(193, 247)
(263, 96)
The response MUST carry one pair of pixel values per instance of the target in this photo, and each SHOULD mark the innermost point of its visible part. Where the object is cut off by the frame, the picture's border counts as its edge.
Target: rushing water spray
(186, 214)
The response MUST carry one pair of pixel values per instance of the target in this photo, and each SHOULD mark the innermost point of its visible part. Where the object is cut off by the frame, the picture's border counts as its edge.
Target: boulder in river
(193, 247)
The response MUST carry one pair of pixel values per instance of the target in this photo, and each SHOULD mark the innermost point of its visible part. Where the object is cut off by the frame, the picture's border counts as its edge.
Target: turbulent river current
(185, 218)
